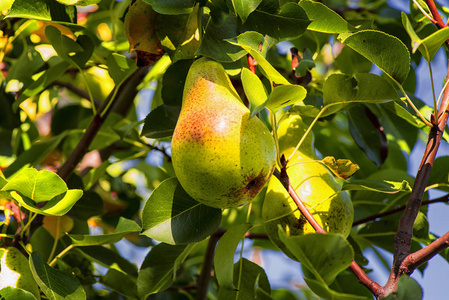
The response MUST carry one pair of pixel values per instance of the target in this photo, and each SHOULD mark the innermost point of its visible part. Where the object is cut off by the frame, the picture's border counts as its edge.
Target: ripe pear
(315, 186)
(221, 156)
(15, 271)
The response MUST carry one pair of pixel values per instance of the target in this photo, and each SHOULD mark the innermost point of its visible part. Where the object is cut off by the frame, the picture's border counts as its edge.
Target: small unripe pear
(315, 186)
(221, 156)
(15, 271)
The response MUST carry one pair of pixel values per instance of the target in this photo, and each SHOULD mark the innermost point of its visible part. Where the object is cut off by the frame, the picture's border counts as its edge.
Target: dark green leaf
(385, 51)
(120, 67)
(28, 63)
(224, 254)
(173, 82)
(108, 258)
(56, 284)
(323, 255)
(124, 226)
(214, 41)
(160, 122)
(324, 19)
(250, 280)
(244, 7)
(179, 34)
(170, 215)
(289, 23)
(367, 133)
(325, 292)
(88, 206)
(172, 7)
(121, 283)
(159, 267)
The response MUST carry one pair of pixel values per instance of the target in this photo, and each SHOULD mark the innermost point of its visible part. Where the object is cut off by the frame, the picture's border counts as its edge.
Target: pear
(15, 271)
(221, 156)
(315, 186)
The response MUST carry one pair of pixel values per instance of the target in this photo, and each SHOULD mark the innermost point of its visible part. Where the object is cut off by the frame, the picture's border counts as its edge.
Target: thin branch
(76, 90)
(424, 12)
(444, 199)
(423, 255)
(403, 237)
(125, 90)
(203, 279)
(435, 14)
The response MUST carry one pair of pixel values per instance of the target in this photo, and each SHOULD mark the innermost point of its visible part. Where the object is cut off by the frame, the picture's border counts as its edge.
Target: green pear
(315, 186)
(221, 156)
(15, 271)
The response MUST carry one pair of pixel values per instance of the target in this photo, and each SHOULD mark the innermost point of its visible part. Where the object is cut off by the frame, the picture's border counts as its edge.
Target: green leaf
(439, 176)
(76, 52)
(403, 113)
(408, 289)
(224, 254)
(52, 74)
(89, 205)
(325, 292)
(323, 255)
(385, 186)
(429, 45)
(78, 2)
(120, 67)
(384, 50)
(324, 19)
(171, 216)
(243, 8)
(56, 284)
(179, 34)
(124, 226)
(173, 82)
(108, 258)
(44, 10)
(120, 283)
(340, 90)
(368, 133)
(158, 269)
(285, 95)
(28, 63)
(289, 23)
(160, 122)
(214, 40)
(250, 42)
(172, 7)
(39, 186)
(15, 293)
(57, 206)
(250, 280)
(254, 90)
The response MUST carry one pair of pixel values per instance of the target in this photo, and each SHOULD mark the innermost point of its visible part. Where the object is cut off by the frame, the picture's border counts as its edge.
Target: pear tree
(196, 149)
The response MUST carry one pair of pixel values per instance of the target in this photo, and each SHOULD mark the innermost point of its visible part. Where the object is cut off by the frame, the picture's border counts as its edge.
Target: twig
(126, 89)
(421, 256)
(443, 199)
(203, 279)
(77, 91)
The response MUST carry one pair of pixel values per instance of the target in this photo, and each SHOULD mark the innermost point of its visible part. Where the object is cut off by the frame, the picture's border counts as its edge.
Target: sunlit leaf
(324, 19)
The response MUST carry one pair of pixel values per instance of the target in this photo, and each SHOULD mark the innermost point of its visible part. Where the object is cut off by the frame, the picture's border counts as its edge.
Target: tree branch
(363, 278)
(126, 91)
(444, 199)
(77, 91)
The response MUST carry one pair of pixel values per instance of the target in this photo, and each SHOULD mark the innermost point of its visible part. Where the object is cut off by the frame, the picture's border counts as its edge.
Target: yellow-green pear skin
(221, 156)
(315, 186)
(15, 271)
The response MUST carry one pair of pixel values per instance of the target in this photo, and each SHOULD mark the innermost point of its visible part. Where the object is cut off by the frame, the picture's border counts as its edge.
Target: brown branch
(363, 278)
(403, 237)
(125, 92)
(436, 17)
(443, 199)
(203, 279)
(414, 260)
